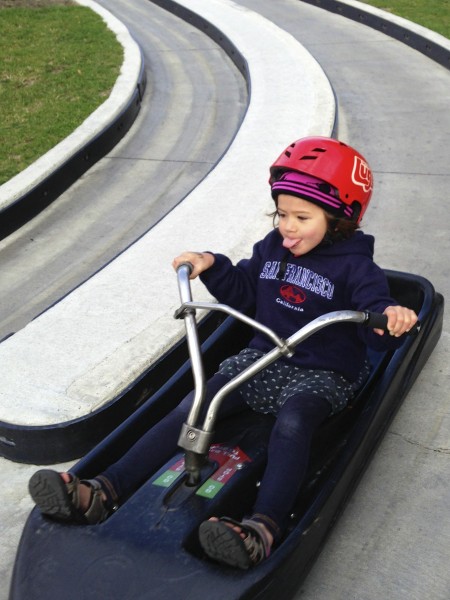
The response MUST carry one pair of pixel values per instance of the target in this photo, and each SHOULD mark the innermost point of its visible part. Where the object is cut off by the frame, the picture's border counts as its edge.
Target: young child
(314, 261)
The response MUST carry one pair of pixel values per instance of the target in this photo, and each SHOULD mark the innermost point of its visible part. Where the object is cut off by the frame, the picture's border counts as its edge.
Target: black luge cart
(149, 548)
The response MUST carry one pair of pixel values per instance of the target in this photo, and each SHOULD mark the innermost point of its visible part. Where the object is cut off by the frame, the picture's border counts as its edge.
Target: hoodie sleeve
(370, 291)
(234, 284)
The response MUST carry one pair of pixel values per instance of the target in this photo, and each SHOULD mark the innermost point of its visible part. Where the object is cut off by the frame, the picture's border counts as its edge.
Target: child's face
(302, 224)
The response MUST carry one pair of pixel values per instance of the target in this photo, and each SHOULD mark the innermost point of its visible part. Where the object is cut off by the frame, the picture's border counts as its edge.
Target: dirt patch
(33, 3)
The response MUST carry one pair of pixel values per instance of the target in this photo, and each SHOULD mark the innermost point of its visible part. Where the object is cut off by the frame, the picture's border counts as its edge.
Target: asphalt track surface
(194, 103)
(393, 539)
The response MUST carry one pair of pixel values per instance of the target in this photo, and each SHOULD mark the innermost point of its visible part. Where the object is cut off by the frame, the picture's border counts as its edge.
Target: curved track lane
(193, 105)
(393, 539)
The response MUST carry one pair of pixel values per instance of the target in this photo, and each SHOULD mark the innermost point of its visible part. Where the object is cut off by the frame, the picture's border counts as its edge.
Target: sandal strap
(73, 491)
(256, 541)
(97, 512)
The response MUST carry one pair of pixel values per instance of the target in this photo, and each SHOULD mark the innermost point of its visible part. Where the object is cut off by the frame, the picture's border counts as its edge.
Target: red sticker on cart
(230, 461)
(169, 476)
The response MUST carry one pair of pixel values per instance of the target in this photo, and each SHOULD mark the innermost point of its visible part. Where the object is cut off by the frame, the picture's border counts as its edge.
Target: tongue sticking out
(287, 243)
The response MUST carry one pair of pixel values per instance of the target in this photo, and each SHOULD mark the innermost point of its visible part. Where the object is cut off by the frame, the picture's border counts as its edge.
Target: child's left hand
(400, 320)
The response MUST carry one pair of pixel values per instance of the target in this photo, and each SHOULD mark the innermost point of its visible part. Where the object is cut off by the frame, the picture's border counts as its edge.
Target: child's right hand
(201, 261)
(400, 320)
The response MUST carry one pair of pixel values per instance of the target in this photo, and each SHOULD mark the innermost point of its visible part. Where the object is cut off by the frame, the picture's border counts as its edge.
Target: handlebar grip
(187, 264)
(376, 321)
(379, 321)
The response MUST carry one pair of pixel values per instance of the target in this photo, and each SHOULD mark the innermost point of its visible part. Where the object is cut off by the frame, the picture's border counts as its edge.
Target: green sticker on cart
(209, 489)
(167, 478)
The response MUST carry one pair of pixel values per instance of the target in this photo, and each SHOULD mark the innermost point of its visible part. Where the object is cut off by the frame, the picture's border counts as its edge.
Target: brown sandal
(225, 545)
(61, 500)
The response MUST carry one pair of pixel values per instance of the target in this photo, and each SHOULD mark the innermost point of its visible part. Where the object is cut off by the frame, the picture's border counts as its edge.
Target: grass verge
(433, 14)
(59, 63)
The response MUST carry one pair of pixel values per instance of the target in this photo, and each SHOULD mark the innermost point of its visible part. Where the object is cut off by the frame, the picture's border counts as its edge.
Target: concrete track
(193, 105)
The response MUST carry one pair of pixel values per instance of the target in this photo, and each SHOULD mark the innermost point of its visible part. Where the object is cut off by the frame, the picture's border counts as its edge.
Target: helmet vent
(319, 150)
(308, 157)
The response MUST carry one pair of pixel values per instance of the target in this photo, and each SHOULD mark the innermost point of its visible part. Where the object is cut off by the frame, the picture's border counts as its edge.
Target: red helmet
(334, 163)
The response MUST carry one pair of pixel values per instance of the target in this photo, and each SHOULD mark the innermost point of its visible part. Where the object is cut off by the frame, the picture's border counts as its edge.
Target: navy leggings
(288, 453)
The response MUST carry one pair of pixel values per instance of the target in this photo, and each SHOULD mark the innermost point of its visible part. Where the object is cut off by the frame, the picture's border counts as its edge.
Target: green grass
(433, 14)
(58, 64)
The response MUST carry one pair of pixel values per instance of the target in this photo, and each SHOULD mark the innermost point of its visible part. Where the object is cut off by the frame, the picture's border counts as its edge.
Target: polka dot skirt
(269, 389)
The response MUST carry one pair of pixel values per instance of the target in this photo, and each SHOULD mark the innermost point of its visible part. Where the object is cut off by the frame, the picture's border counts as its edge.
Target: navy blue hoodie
(287, 292)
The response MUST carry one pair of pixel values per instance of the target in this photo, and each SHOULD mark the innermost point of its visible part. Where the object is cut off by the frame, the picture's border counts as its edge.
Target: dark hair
(340, 229)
